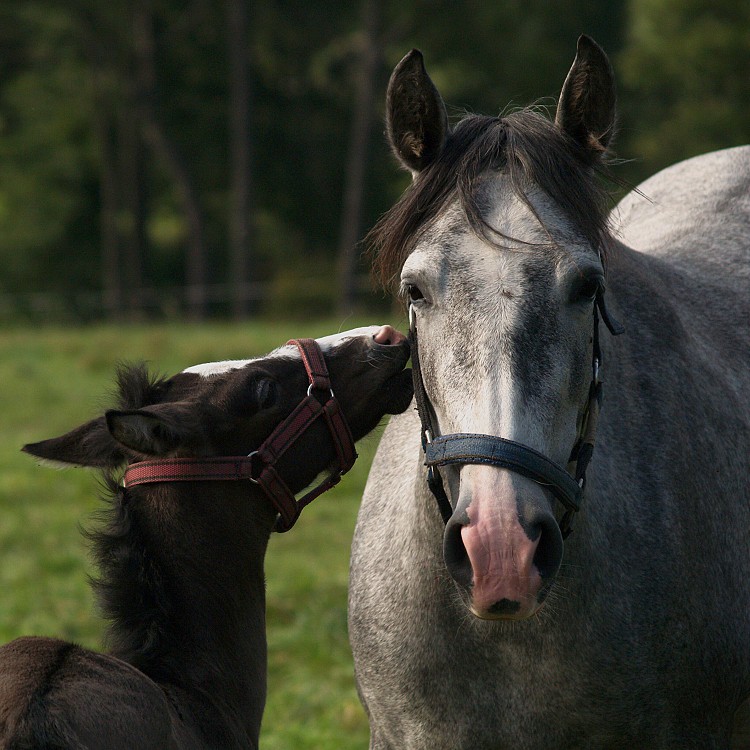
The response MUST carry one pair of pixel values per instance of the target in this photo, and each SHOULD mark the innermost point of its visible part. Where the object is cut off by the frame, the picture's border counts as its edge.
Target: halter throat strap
(567, 486)
(259, 466)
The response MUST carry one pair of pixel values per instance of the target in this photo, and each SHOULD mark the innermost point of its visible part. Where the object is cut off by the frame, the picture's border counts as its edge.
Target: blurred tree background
(165, 158)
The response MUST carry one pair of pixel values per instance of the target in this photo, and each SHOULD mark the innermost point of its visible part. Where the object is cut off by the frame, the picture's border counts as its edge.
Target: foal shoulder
(26, 668)
(57, 694)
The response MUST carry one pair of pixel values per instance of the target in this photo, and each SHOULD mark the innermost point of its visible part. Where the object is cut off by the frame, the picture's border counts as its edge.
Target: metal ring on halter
(310, 390)
(251, 477)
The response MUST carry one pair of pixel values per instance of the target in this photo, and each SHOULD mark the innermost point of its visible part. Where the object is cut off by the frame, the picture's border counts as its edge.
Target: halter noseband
(492, 450)
(259, 466)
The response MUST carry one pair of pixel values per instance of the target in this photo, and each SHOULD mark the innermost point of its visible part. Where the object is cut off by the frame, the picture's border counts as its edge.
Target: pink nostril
(389, 336)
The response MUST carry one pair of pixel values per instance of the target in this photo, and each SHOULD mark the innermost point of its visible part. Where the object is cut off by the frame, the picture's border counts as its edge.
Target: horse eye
(585, 289)
(266, 392)
(414, 293)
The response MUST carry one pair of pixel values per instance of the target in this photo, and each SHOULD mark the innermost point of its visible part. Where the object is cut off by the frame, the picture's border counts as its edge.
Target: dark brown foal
(181, 562)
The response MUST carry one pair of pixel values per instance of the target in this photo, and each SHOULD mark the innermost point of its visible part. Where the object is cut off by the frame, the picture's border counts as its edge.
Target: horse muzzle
(502, 545)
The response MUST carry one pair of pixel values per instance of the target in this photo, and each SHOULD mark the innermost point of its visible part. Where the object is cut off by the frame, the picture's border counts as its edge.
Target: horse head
(500, 241)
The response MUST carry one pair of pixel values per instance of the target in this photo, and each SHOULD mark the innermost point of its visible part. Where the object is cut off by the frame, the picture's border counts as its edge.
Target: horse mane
(530, 148)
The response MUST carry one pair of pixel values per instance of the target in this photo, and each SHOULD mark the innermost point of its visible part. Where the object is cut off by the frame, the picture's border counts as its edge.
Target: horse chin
(501, 611)
(495, 616)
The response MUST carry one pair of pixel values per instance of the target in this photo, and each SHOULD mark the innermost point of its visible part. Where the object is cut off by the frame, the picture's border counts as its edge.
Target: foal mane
(128, 589)
(530, 149)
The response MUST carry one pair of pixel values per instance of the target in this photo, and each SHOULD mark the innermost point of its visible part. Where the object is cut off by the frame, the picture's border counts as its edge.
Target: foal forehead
(328, 344)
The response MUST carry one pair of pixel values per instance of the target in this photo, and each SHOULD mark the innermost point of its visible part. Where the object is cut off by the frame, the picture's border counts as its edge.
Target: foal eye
(585, 289)
(414, 293)
(266, 393)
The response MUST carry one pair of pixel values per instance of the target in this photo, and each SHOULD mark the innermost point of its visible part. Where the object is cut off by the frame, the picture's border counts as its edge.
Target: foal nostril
(455, 555)
(389, 336)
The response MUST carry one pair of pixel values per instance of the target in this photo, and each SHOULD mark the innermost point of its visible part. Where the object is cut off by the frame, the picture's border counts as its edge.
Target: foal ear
(586, 110)
(154, 431)
(87, 445)
(416, 120)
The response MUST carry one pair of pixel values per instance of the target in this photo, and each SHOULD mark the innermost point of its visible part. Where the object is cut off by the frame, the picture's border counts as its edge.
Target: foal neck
(182, 583)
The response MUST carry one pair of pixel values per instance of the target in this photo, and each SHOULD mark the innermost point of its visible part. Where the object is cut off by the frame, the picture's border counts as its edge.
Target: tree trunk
(111, 278)
(112, 291)
(155, 136)
(356, 163)
(133, 211)
(240, 197)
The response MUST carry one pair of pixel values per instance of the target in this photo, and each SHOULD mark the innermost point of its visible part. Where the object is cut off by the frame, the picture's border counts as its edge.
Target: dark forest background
(170, 158)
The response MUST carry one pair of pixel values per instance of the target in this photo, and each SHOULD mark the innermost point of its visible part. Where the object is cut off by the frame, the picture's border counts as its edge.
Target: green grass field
(53, 379)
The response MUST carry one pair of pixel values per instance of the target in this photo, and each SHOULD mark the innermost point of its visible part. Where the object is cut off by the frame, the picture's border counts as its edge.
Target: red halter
(259, 466)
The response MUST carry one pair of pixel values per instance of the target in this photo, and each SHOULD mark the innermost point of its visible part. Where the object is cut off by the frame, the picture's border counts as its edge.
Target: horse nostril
(540, 526)
(549, 550)
(389, 336)
(455, 555)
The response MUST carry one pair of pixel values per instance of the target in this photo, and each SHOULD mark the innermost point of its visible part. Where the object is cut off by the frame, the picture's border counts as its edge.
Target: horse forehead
(328, 344)
(528, 234)
(524, 213)
(456, 256)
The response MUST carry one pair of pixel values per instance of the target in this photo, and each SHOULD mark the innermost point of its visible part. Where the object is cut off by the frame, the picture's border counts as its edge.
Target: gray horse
(490, 631)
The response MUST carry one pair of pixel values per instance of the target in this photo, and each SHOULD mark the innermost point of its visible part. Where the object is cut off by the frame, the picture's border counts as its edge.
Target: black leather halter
(467, 448)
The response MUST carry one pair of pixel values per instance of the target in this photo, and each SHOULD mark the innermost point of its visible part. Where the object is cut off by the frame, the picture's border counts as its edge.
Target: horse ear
(586, 110)
(416, 120)
(88, 445)
(153, 431)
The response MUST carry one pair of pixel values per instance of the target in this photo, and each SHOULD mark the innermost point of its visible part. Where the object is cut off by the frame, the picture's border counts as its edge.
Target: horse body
(181, 562)
(645, 637)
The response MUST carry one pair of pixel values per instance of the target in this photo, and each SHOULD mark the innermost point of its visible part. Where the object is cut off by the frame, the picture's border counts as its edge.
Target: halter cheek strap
(259, 467)
(467, 448)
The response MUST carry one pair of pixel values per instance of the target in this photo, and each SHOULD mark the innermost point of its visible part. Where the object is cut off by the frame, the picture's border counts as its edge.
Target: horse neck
(183, 585)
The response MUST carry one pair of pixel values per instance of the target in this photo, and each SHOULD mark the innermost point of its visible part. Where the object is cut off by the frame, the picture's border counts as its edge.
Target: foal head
(499, 243)
(229, 408)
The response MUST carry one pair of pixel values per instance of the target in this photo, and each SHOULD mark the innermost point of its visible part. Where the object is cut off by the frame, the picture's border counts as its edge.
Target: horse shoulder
(55, 693)
(394, 467)
(384, 523)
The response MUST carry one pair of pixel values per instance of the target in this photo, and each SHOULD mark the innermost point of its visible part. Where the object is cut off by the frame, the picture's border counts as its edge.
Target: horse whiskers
(550, 610)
